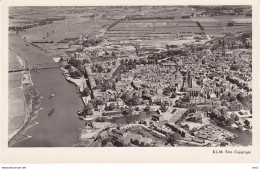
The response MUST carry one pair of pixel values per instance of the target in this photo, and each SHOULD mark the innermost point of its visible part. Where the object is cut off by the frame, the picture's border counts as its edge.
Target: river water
(61, 129)
(131, 119)
(243, 138)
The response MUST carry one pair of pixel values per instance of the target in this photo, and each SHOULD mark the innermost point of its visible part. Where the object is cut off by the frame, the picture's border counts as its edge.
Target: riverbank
(22, 112)
(16, 101)
(244, 138)
(79, 83)
(30, 99)
(61, 129)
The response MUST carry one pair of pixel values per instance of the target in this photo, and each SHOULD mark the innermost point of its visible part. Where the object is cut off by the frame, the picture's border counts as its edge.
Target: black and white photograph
(139, 76)
(146, 76)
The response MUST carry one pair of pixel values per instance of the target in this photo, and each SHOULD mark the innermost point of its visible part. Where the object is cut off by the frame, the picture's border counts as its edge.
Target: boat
(51, 96)
(79, 113)
(81, 118)
(51, 111)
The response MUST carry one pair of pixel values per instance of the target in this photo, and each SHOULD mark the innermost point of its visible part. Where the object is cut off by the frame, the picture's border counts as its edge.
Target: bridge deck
(37, 67)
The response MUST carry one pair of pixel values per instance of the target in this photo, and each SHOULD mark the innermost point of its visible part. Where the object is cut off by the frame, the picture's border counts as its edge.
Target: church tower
(223, 48)
(189, 80)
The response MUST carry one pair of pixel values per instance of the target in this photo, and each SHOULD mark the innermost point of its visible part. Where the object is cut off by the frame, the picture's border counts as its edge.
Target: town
(160, 76)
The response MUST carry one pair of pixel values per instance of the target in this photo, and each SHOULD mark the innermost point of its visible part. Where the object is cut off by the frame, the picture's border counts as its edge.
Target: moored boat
(50, 113)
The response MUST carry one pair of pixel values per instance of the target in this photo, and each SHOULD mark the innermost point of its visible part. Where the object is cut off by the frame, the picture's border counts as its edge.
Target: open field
(218, 20)
(14, 61)
(14, 80)
(61, 30)
(152, 29)
(161, 29)
(234, 29)
(16, 109)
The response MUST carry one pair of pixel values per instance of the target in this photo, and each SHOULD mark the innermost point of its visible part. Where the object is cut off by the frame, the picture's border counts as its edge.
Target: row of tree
(131, 100)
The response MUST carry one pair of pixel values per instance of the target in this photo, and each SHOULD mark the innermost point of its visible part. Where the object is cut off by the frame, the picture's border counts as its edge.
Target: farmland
(159, 29)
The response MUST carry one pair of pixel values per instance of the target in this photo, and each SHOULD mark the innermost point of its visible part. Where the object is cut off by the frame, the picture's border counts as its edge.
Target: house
(156, 100)
(176, 129)
(157, 117)
(101, 108)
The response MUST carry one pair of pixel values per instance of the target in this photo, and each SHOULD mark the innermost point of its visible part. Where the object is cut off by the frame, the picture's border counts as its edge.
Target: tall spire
(223, 47)
(189, 80)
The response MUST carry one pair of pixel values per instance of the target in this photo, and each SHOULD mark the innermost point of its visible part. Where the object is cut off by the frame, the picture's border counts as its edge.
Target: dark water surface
(61, 129)
(130, 119)
(243, 138)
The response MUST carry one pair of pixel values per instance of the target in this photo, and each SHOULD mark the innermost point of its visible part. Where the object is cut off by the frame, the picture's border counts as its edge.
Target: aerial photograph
(130, 76)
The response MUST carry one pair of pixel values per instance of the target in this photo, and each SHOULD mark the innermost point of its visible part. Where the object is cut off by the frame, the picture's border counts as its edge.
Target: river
(131, 119)
(243, 138)
(61, 129)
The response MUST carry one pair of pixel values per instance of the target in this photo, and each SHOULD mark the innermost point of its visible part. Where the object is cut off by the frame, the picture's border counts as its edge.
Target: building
(194, 92)
(176, 129)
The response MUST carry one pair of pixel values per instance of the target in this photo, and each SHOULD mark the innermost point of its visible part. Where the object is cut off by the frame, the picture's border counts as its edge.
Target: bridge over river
(36, 67)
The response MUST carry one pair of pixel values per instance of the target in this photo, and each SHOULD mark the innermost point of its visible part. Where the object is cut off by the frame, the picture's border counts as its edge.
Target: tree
(88, 109)
(85, 61)
(67, 66)
(128, 111)
(100, 102)
(170, 140)
(78, 63)
(108, 84)
(86, 92)
(113, 53)
(247, 122)
(173, 95)
(163, 108)
(113, 106)
(223, 144)
(186, 127)
(126, 97)
(186, 98)
(166, 90)
(147, 108)
(72, 61)
(81, 69)
(108, 108)
(223, 111)
(240, 97)
(145, 92)
(99, 68)
(75, 74)
(235, 106)
(234, 116)
(215, 114)
(229, 121)
(135, 100)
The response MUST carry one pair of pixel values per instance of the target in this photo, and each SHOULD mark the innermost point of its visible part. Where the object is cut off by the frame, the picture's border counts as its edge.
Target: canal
(131, 119)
